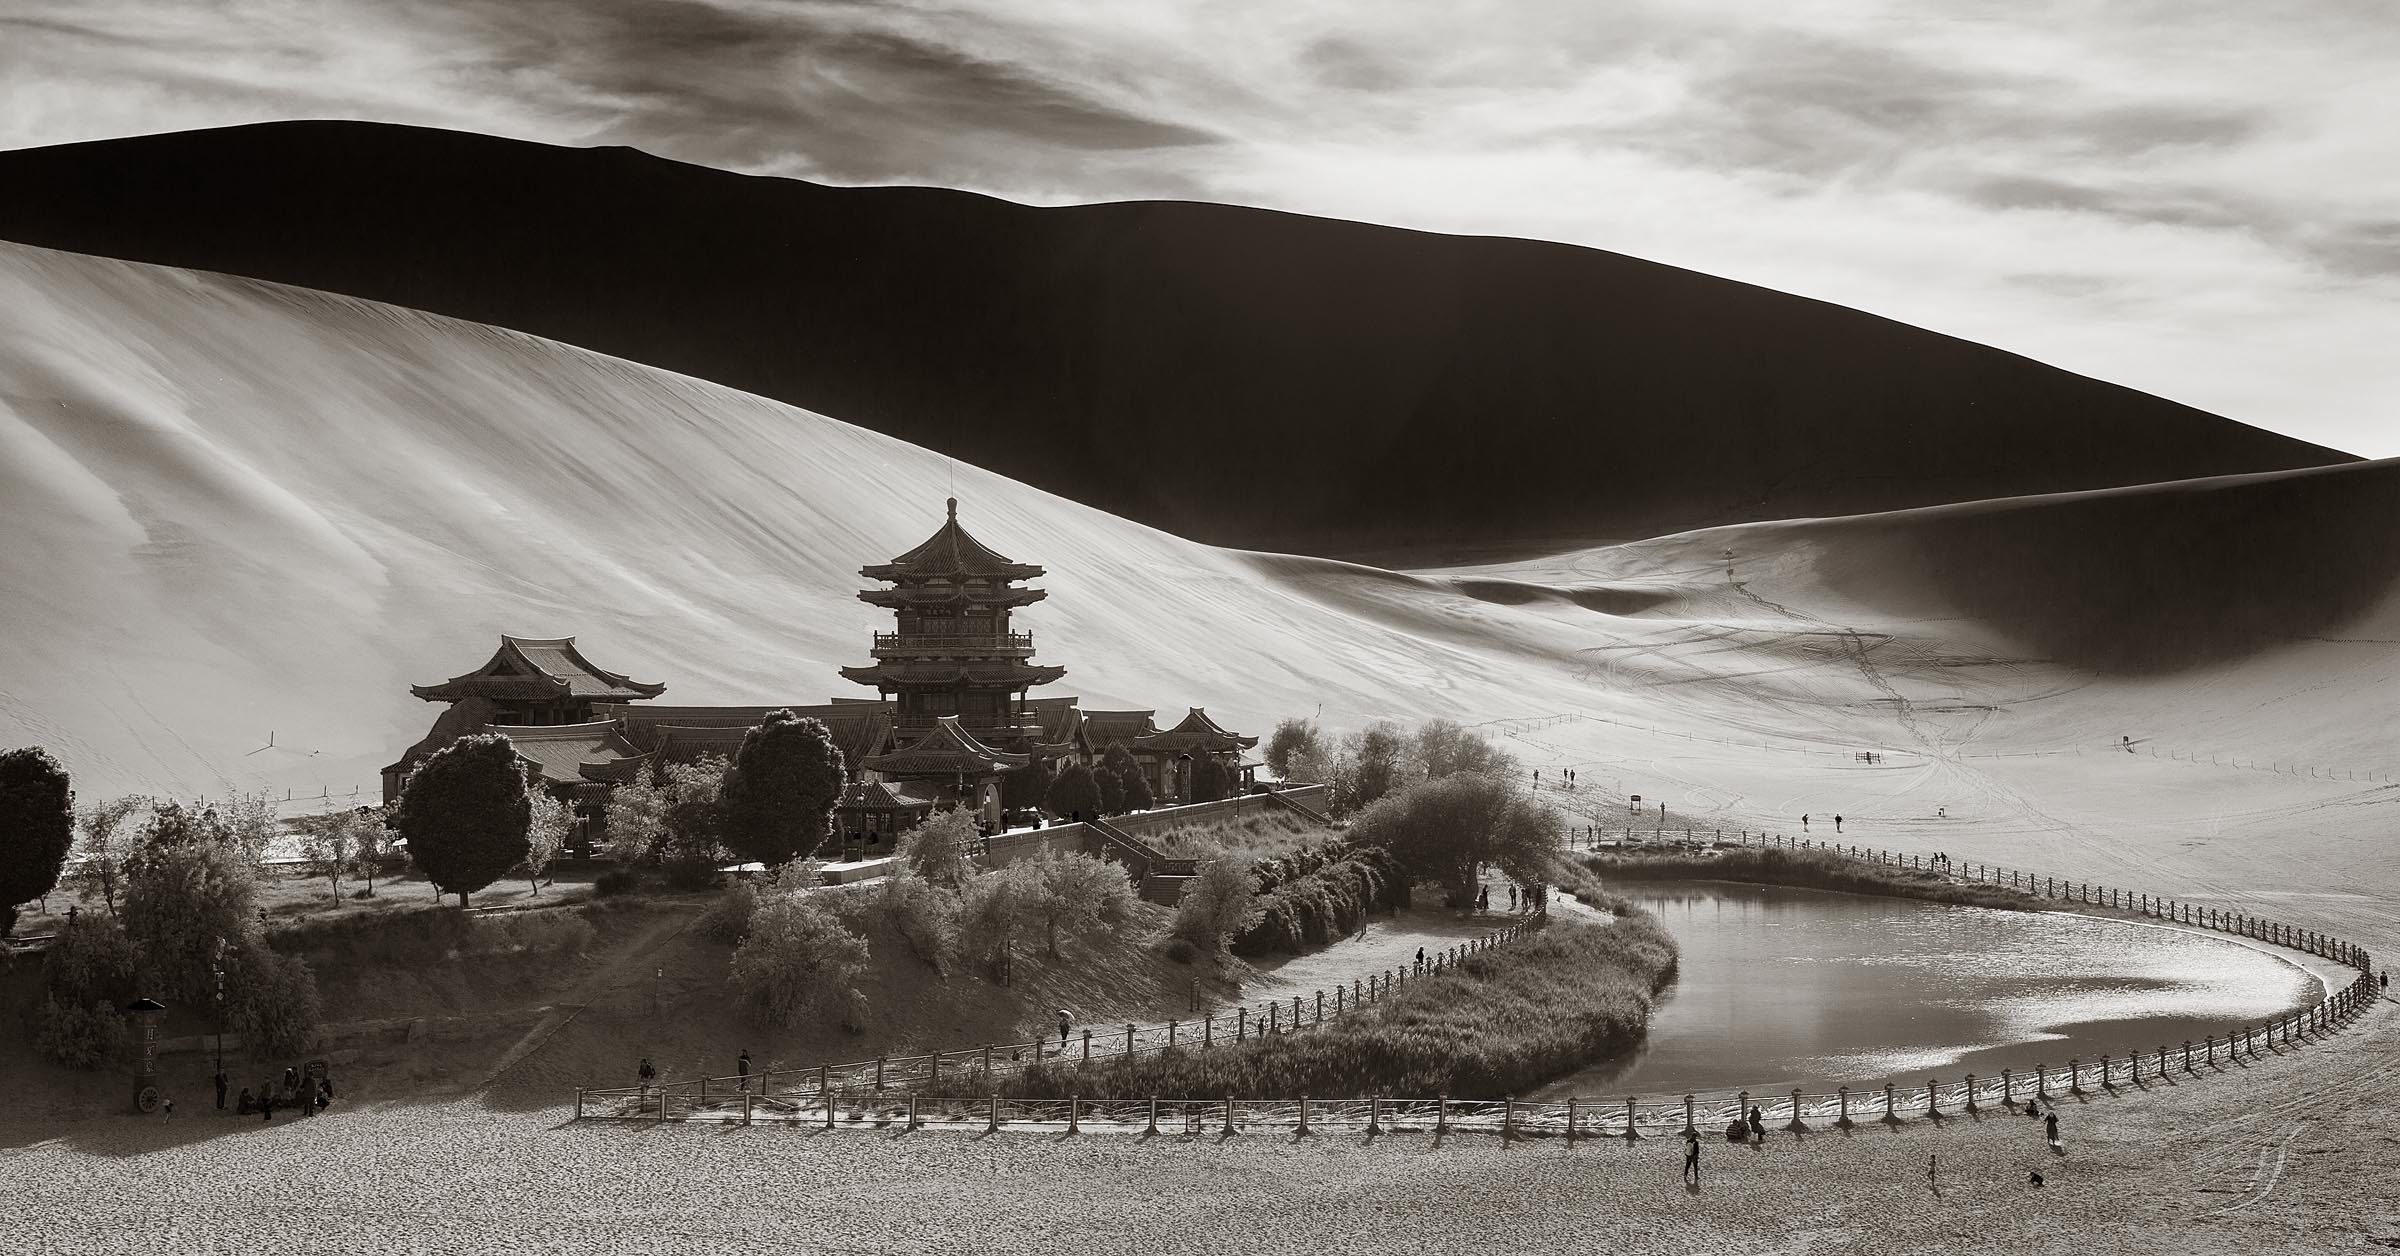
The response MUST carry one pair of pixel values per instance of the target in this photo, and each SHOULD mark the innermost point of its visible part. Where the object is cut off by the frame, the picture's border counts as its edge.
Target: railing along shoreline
(884, 1098)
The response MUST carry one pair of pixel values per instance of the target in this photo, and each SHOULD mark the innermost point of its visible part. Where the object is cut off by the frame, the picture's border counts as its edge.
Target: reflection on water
(1791, 987)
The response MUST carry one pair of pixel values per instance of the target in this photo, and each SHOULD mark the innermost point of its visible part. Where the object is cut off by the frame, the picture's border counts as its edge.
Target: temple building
(953, 713)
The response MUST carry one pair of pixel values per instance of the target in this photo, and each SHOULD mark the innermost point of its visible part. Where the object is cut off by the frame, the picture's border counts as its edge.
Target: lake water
(1792, 987)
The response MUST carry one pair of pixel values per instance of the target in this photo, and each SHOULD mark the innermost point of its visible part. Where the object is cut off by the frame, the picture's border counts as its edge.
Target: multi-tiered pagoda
(956, 673)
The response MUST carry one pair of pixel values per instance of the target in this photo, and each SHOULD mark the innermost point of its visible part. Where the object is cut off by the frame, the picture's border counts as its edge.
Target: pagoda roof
(901, 796)
(685, 733)
(998, 672)
(946, 750)
(567, 753)
(1109, 727)
(908, 595)
(954, 554)
(534, 669)
(1196, 732)
(1061, 720)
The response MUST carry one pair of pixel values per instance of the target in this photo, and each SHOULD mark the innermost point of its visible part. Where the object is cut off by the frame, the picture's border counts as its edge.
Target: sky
(2196, 198)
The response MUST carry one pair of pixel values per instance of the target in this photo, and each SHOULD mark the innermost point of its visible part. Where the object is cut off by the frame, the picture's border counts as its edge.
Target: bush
(1073, 793)
(616, 881)
(1181, 950)
(728, 919)
(1317, 896)
(1499, 1022)
(799, 962)
(991, 907)
(691, 874)
(181, 897)
(85, 1036)
(1075, 893)
(91, 962)
(466, 813)
(925, 915)
(937, 849)
(271, 1001)
(547, 933)
(1219, 906)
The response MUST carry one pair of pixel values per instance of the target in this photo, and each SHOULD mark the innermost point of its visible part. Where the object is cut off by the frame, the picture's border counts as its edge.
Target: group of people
(1804, 819)
(309, 1095)
(1752, 1127)
(1528, 899)
(1566, 778)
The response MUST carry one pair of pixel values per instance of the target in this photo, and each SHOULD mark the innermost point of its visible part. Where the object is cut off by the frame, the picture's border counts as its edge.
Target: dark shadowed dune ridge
(2152, 580)
(1238, 376)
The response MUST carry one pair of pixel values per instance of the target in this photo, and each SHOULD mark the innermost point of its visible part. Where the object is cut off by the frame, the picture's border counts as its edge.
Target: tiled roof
(1011, 673)
(1105, 727)
(1061, 719)
(872, 795)
(566, 753)
(947, 750)
(535, 669)
(951, 552)
(681, 734)
(1196, 732)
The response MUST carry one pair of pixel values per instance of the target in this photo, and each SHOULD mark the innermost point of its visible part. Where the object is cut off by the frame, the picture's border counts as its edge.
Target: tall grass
(1256, 835)
(1814, 869)
(1500, 1023)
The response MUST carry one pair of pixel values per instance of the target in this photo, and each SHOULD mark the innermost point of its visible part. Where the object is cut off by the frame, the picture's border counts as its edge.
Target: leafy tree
(37, 828)
(107, 842)
(637, 817)
(1021, 789)
(1442, 830)
(250, 822)
(787, 778)
(173, 826)
(79, 1035)
(465, 814)
(1075, 893)
(1137, 789)
(1074, 793)
(182, 898)
(545, 835)
(694, 847)
(1112, 789)
(270, 1000)
(1373, 768)
(1442, 748)
(1291, 738)
(924, 914)
(328, 843)
(937, 849)
(1220, 905)
(90, 961)
(1211, 779)
(370, 843)
(799, 961)
(991, 908)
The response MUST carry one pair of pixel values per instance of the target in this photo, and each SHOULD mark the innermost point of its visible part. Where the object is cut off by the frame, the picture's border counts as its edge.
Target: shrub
(1316, 896)
(924, 914)
(1074, 792)
(990, 909)
(78, 1035)
(548, 933)
(1211, 780)
(37, 827)
(1499, 1022)
(465, 814)
(616, 881)
(1075, 893)
(1181, 950)
(271, 1001)
(691, 874)
(1219, 906)
(799, 962)
(937, 849)
(728, 919)
(1444, 829)
(91, 961)
(1291, 738)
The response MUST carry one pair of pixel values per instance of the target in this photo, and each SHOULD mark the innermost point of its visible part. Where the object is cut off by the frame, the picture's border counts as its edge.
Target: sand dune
(1236, 376)
(234, 508)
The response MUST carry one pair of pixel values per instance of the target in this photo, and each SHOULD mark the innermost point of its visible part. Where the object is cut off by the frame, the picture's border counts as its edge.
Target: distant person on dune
(1837, 824)
(1804, 822)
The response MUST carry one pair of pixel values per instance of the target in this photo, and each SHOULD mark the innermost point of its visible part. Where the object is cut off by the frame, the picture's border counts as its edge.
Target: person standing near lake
(1691, 1158)
(742, 1066)
(1837, 823)
(1063, 1020)
(2050, 1127)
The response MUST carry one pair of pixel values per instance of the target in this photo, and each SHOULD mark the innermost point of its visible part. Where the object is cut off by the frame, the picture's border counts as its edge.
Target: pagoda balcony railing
(952, 643)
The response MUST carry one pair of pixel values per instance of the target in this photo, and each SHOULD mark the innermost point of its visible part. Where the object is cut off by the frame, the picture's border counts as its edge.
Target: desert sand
(236, 508)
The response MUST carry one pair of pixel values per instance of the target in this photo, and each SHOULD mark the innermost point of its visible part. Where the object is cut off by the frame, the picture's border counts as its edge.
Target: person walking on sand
(1420, 959)
(220, 1090)
(2050, 1127)
(648, 1074)
(266, 1104)
(1933, 1164)
(1064, 1019)
(1804, 822)
(742, 1066)
(1691, 1158)
(1758, 1128)
(169, 1106)
(1837, 823)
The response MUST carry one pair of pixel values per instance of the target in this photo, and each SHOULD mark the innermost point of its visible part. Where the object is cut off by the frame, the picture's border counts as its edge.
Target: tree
(328, 843)
(1021, 789)
(174, 826)
(1075, 893)
(107, 842)
(182, 898)
(250, 822)
(545, 835)
(798, 960)
(1442, 748)
(1118, 765)
(991, 908)
(1373, 767)
(37, 828)
(694, 847)
(1291, 739)
(1112, 789)
(465, 814)
(270, 1000)
(1220, 905)
(1211, 779)
(637, 818)
(937, 849)
(1074, 793)
(370, 843)
(787, 778)
(1442, 830)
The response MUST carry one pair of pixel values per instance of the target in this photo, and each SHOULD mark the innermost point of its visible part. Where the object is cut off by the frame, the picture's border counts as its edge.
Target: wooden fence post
(1844, 1122)
(1633, 1125)
(1087, 1046)
(1570, 1119)
(1304, 1116)
(1797, 1125)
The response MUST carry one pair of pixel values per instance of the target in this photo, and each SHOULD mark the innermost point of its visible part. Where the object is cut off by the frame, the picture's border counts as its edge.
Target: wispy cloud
(2192, 198)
